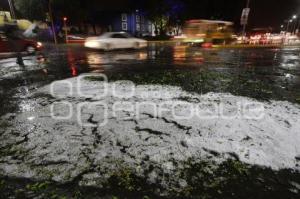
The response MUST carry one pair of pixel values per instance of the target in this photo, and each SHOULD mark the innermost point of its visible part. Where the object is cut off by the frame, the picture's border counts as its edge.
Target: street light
(65, 19)
(295, 23)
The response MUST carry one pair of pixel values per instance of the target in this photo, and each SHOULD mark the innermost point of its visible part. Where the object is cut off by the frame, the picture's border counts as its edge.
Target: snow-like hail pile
(76, 128)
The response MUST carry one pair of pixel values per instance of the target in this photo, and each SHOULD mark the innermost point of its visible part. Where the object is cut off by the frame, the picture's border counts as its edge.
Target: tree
(69, 8)
(31, 9)
(75, 10)
(176, 15)
(163, 13)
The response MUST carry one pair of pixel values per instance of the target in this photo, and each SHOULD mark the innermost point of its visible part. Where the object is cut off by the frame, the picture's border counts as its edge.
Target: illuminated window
(124, 17)
(124, 26)
(138, 27)
(138, 18)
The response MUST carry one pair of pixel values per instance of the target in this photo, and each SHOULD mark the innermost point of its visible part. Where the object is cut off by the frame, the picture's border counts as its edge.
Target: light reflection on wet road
(260, 73)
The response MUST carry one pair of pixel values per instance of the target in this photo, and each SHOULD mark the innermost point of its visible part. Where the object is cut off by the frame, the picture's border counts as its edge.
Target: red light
(74, 71)
(207, 45)
(65, 18)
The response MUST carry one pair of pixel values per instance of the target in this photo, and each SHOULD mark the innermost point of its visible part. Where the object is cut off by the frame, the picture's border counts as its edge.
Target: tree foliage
(31, 9)
(163, 13)
(37, 9)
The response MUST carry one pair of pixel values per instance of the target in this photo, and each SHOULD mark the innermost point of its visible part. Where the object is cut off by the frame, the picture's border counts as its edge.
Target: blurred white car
(114, 40)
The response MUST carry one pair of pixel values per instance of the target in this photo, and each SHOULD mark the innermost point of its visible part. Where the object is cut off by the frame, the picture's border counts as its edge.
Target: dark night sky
(272, 12)
(264, 13)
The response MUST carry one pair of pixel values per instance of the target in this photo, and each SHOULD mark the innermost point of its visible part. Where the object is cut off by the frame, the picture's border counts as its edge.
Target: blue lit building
(135, 23)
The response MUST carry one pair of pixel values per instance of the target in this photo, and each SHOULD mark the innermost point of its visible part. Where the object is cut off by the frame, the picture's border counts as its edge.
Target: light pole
(52, 21)
(65, 27)
(295, 24)
(12, 11)
(288, 25)
(297, 28)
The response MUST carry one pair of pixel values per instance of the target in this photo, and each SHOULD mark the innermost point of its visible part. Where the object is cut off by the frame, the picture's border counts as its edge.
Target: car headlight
(39, 44)
(91, 44)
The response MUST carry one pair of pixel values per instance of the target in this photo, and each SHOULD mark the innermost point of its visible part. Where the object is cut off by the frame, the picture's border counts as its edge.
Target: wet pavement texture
(264, 74)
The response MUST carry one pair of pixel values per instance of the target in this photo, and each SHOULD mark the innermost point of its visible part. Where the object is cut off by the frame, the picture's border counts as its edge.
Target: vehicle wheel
(30, 50)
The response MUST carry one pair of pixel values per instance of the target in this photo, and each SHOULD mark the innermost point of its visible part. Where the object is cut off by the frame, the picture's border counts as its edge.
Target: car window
(119, 36)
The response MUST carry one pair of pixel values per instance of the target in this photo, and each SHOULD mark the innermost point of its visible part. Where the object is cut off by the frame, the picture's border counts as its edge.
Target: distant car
(115, 40)
(24, 45)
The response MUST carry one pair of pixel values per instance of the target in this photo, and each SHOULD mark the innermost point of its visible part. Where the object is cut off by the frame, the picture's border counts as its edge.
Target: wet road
(263, 73)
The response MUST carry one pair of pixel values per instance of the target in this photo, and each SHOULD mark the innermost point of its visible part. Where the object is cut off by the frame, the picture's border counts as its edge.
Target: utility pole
(245, 24)
(52, 21)
(12, 10)
(244, 19)
(297, 28)
(288, 25)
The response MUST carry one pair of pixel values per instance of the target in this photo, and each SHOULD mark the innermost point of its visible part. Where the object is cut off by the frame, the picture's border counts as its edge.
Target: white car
(114, 40)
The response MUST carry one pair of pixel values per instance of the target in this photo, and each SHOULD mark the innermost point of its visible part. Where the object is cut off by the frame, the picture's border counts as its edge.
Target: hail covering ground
(62, 150)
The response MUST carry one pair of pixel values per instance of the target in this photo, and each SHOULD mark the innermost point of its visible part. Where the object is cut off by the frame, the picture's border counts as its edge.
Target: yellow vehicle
(5, 18)
(212, 31)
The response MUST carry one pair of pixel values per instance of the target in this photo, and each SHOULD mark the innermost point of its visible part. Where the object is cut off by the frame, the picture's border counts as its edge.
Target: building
(134, 23)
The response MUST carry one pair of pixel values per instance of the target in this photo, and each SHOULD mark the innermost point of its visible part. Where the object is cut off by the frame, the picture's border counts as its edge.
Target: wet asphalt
(260, 73)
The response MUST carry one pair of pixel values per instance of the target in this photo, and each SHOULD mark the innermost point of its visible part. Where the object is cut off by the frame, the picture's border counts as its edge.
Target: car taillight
(207, 45)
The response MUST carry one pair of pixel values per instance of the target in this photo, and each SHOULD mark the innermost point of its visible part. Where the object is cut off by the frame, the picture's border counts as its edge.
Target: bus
(208, 31)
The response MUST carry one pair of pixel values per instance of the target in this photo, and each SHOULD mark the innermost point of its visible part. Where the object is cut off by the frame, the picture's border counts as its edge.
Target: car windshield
(119, 36)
